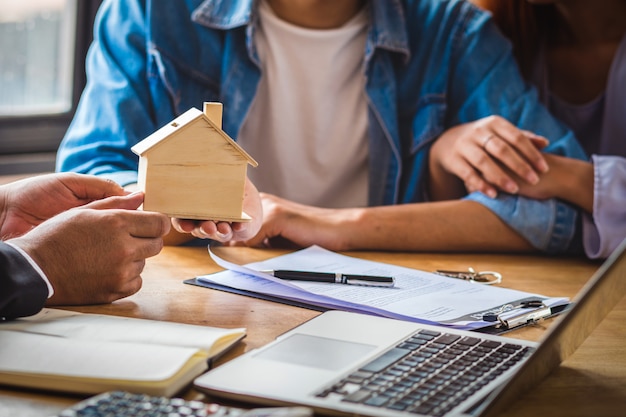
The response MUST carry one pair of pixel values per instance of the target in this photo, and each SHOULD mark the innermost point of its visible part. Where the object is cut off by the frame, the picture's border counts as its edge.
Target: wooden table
(592, 382)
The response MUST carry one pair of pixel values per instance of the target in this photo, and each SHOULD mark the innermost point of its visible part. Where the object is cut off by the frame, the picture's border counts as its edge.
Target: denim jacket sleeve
(549, 225)
(98, 141)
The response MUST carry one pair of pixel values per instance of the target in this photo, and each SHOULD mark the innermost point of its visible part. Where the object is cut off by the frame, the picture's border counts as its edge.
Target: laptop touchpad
(316, 352)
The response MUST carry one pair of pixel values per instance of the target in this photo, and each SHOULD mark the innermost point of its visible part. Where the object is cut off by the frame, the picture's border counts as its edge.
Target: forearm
(569, 179)
(448, 226)
(577, 182)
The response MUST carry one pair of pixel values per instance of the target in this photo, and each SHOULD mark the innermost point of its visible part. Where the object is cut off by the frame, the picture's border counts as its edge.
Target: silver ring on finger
(486, 141)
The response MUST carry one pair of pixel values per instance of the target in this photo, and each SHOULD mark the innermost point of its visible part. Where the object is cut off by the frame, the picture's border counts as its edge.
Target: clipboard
(503, 323)
(418, 296)
(266, 297)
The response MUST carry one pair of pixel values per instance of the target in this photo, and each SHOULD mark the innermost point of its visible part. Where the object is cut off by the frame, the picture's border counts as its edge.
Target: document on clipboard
(416, 296)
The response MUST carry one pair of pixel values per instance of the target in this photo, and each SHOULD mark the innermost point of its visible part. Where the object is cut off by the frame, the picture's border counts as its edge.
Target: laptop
(342, 363)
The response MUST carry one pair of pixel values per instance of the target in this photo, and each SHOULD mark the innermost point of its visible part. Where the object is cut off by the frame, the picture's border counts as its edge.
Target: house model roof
(167, 132)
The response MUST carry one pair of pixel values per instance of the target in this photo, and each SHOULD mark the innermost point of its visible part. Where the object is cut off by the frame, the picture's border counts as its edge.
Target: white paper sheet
(417, 295)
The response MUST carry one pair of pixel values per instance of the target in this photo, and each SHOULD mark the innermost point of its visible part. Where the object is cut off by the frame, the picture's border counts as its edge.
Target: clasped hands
(491, 155)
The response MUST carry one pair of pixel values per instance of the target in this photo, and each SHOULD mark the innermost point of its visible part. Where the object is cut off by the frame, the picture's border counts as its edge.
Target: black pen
(332, 277)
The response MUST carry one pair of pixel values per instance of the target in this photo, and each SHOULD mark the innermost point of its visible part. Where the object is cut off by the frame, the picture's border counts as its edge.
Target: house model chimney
(214, 112)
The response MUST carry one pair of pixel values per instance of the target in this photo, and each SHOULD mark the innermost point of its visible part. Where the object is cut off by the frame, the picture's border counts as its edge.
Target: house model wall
(192, 169)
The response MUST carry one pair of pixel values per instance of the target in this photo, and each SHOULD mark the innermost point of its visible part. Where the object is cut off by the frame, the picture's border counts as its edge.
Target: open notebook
(90, 353)
(345, 363)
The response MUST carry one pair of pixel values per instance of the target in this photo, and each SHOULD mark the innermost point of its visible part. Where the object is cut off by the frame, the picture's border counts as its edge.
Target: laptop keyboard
(428, 373)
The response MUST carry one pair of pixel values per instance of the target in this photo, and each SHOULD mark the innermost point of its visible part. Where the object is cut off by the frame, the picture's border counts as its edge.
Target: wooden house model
(192, 169)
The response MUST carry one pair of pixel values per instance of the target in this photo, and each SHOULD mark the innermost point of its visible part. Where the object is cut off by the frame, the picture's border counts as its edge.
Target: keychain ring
(482, 277)
(487, 277)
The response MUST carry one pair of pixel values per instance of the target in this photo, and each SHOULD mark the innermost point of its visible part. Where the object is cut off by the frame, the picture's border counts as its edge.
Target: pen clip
(511, 316)
(370, 280)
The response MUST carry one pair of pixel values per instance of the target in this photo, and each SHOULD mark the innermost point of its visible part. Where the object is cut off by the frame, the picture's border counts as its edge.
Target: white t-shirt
(307, 126)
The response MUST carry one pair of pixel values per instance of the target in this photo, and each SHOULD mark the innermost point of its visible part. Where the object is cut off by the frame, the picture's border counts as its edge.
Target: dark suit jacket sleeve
(22, 290)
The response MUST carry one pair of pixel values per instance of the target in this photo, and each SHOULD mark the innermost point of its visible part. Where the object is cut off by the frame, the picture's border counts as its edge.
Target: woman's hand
(488, 155)
(290, 224)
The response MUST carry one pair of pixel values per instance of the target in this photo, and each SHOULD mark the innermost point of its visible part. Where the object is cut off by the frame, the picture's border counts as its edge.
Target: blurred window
(37, 44)
(43, 44)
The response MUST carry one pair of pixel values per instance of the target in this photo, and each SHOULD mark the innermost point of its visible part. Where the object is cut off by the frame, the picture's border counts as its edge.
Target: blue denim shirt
(429, 65)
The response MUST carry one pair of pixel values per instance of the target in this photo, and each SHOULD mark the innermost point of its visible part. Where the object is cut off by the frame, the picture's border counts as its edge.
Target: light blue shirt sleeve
(606, 228)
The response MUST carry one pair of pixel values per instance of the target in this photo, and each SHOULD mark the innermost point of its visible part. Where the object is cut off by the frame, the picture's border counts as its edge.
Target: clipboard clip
(482, 277)
(510, 316)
